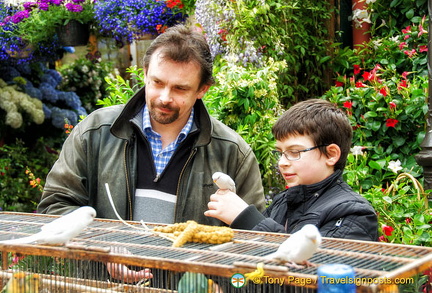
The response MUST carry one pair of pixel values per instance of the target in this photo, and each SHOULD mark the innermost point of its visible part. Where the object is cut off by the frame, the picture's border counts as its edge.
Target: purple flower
(29, 5)
(43, 6)
(78, 1)
(19, 16)
(57, 2)
(74, 7)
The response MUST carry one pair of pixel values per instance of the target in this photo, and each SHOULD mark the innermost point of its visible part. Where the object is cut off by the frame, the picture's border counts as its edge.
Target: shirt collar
(147, 128)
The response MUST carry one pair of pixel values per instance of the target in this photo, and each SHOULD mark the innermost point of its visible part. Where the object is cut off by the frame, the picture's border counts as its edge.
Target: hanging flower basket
(74, 33)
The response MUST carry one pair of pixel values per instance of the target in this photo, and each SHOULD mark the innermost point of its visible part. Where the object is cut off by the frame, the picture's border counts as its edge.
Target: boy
(313, 139)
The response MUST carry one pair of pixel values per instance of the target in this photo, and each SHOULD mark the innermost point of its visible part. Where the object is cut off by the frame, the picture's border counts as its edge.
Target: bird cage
(81, 266)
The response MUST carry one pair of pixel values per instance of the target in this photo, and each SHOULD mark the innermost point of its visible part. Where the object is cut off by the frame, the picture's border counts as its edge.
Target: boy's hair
(180, 44)
(322, 121)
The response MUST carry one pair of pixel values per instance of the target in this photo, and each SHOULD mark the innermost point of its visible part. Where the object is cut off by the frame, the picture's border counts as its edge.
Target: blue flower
(55, 75)
(47, 111)
(48, 92)
(60, 116)
(8, 73)
(71, 99)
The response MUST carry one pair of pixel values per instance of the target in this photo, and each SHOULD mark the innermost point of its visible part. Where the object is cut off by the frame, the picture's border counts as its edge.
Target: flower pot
(74, 33)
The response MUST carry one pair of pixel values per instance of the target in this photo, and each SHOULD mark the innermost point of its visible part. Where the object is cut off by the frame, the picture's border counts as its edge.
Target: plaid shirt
(161, 156)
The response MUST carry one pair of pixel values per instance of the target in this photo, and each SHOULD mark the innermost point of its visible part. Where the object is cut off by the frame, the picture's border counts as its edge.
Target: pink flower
(410, 53)
(423, 48)
(405, 74)
(402, 45)
(388, 230)
(421, 30)
(382, 239)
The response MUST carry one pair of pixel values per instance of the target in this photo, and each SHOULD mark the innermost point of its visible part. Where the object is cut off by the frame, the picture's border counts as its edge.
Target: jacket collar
(123, 129)
(302, 193)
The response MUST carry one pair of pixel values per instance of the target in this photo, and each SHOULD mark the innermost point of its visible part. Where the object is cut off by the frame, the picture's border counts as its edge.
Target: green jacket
(103, 149)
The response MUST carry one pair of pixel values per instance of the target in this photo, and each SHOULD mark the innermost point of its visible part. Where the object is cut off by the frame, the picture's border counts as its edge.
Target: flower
(348, 104)
(357, 150)
(395, 166)
(387, 230)
(392, 105)
(131, 19)
(391, 122)
(36, 25)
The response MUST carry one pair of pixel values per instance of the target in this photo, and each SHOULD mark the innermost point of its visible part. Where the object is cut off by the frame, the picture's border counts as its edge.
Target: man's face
(171, 90)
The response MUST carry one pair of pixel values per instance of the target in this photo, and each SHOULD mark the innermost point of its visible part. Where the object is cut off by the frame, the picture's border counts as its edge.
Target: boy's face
(312, 167)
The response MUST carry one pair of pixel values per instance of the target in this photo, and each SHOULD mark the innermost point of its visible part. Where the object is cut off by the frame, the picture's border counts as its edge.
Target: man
(159, 151)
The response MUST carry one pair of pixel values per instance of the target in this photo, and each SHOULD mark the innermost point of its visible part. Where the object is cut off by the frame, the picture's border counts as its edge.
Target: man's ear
(333, 154)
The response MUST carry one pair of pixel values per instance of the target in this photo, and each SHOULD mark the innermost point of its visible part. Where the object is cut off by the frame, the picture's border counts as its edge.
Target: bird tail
(23, 240)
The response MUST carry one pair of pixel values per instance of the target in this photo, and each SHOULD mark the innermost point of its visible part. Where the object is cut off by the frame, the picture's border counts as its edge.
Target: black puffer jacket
(331, 205)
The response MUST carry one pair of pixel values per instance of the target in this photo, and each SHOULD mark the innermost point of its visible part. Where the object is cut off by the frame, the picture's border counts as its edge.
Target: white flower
(357, 150)
(370, 1)
(395, 166)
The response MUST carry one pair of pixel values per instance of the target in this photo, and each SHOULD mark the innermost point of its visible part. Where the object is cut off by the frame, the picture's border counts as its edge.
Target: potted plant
(39, 22)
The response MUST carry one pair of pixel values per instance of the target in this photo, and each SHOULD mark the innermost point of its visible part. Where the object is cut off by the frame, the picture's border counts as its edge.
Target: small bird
(61, 230)
(22, 283)
(299, 247)
(195, 283)
(224, 181)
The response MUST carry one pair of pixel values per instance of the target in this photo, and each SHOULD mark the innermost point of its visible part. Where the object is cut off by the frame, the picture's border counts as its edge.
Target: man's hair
(322, 121)
(180, 44)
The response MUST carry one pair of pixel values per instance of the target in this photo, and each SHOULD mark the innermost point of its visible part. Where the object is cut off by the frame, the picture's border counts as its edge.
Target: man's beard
(163, 118)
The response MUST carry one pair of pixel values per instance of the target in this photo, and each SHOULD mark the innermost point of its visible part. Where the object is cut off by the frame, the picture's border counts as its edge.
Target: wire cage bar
(81, 266)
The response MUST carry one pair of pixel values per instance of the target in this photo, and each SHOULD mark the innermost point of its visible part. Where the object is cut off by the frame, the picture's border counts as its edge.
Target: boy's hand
(225, 206)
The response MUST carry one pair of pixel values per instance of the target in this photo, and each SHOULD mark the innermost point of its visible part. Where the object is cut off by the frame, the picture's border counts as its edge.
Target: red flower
(356, 69)
(406, 30)
(391, 122)
(339, 83)
(383, 91)
(388, 230)
(408, 220)
(367, 75)
(348, 104)
(392, 105)
(360, 84)
(402, 84)
(174, 3)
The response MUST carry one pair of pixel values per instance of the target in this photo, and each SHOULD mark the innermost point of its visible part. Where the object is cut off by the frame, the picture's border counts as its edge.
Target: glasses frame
(279, 153)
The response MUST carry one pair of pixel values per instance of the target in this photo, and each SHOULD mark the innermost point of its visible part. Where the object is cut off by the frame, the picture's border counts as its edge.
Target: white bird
(299, 247)
(224, 181)
(61, 230)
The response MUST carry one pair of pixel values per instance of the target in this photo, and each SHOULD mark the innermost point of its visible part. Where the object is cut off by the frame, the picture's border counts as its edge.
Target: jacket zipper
(180, 178)
(339, 222)
(127, 180)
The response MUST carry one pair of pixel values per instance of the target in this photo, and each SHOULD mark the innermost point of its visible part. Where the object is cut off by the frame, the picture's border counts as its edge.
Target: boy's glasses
(294, 155)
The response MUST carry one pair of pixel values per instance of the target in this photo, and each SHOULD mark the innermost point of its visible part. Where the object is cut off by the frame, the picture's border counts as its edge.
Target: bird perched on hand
(22, 283)
(224, 181)
(61, 230)
(299, 247)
